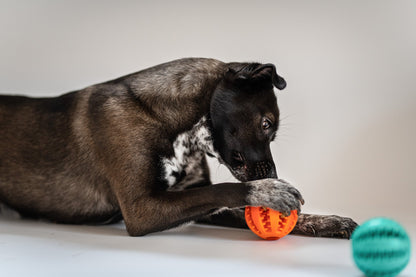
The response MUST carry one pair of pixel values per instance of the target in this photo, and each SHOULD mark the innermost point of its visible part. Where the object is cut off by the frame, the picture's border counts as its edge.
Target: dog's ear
(267, 72)
(256, 72)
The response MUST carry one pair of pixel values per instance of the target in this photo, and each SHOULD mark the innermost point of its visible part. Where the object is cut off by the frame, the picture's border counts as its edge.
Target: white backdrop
(348, 131)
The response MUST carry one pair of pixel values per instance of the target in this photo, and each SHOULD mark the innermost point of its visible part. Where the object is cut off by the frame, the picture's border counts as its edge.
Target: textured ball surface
(269, 224)
(381, 247)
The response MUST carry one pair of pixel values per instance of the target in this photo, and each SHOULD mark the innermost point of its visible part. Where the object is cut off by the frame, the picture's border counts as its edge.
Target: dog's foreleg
(331, 226)
(308, 225)
(159, 210)
(228, 218)
(164, 210)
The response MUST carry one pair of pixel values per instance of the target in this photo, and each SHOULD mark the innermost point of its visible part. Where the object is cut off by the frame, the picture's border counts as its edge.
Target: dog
(135, 148)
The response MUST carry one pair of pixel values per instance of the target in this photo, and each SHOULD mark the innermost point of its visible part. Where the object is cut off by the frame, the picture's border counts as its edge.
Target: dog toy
(380, 247)
(269, 224)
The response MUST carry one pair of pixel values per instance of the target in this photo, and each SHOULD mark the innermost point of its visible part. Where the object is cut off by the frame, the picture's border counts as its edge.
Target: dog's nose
(263, 169)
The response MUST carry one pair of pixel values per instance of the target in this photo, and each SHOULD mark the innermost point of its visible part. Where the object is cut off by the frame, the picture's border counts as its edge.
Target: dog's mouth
(239, 172)
(243, 173)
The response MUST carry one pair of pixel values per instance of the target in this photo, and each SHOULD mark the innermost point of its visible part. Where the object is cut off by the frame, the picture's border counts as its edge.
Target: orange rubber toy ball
(270, 224)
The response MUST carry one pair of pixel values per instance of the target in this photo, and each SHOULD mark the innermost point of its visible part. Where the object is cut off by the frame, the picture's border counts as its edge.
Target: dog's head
(245, 118)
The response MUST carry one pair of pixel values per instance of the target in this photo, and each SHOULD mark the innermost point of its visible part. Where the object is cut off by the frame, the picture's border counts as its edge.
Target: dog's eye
(266, 124)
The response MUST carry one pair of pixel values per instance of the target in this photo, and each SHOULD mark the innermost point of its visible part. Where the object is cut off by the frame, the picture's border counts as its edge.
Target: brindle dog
(135, 149)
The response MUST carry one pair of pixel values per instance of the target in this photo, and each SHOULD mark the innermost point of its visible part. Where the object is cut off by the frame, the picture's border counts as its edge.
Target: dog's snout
(263, 169)
(252, 170)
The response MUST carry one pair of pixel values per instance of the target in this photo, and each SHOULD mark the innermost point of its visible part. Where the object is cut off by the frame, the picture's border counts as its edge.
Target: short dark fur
(95, 155)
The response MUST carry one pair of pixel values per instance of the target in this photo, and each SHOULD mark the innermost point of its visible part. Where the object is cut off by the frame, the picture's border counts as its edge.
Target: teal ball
(381, 247)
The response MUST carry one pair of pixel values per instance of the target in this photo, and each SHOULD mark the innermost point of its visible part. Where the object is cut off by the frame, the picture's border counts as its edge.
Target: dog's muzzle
(261, 170)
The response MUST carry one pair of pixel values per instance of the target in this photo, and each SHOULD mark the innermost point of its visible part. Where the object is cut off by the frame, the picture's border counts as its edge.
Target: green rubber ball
(380, 247)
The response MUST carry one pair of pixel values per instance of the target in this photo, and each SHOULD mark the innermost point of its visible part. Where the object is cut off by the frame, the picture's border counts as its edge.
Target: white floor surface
(33, 248)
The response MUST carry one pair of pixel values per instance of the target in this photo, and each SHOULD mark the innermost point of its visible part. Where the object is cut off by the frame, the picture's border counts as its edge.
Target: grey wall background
(348, 131)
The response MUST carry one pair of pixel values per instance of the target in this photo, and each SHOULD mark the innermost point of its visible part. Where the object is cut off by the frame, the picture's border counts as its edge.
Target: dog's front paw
(331, 226)
(275, 194)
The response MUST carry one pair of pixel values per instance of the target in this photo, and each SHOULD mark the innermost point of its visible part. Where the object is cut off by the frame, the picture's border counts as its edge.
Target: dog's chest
(189, 148)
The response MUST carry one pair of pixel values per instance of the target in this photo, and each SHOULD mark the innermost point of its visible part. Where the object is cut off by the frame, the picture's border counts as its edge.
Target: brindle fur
(94, 155)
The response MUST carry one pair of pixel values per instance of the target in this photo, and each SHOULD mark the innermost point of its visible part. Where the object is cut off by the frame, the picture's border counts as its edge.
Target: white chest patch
(189, 150)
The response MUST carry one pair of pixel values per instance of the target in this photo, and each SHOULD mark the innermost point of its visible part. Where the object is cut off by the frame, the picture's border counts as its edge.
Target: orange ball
(270, 224)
